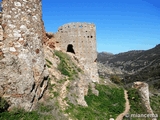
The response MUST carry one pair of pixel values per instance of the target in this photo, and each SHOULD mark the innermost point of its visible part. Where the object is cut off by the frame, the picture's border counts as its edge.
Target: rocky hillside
(71, 94)
(141, 65)
(132, 61)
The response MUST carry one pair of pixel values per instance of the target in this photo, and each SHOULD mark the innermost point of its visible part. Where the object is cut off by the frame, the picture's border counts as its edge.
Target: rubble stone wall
(23, 77)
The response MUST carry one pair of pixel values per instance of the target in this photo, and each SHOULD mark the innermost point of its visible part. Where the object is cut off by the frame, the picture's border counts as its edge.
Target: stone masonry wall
(83, 38)
(23, 77)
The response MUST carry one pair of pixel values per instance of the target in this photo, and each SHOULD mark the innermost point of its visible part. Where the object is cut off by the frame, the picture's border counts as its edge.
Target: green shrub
(3, 105)
(115, 79)
(56, 94)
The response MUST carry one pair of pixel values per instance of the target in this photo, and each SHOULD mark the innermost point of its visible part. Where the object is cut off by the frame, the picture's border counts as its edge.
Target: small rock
(111, 119)
(12, 49)
(18, 4)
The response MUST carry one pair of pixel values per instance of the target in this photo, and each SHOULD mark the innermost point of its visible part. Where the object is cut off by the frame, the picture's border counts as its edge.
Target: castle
(80, 38)
(23, 73)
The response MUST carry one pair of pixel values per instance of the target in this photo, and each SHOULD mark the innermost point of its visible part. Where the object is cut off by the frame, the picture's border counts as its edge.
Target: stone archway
(70, 48)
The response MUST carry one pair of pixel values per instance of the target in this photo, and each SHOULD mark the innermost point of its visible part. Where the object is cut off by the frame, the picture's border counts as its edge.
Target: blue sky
(121, 25)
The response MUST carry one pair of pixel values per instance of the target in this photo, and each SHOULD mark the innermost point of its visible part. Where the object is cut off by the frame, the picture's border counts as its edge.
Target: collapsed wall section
(143, 89)
(81, 37)
(23, 77)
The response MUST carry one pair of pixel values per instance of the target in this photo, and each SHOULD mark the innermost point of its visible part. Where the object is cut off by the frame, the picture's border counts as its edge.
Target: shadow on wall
(70, 48)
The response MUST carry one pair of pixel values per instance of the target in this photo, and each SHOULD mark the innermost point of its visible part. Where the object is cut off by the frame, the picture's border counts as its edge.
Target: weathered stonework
(143, 90)
(23, 77)
(1, 30)
(82, 36)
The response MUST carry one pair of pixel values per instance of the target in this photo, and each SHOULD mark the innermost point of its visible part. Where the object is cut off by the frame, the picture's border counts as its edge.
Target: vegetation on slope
(108, 104)
(66, 66)
(135, 102)
(143, 65)
(137, 107)
(155, 104)
(20, 114)
(115, 79)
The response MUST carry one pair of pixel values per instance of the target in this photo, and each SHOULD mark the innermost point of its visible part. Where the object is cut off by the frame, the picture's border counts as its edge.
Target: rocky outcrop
(69, 89)
(144, 93)
(23, 76)
(105, 70)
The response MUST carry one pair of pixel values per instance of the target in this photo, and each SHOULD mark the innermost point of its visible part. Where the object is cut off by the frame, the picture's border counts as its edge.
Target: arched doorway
(70, 48)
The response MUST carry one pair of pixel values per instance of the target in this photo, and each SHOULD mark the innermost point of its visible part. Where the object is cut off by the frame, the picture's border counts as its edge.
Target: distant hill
(136, 65)
(103, 56)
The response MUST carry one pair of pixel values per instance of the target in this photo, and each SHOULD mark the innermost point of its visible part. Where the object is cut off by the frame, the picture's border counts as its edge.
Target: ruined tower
(80, 39)
(23, 77)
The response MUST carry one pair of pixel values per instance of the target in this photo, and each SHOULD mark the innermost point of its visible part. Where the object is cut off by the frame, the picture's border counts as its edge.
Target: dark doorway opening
(70, 48)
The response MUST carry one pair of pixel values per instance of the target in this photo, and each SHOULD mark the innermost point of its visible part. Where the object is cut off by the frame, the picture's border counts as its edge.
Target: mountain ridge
(135, 65)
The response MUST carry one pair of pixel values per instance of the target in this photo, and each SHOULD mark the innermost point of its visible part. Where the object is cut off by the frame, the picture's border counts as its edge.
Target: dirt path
(127, 107)
(62, 95)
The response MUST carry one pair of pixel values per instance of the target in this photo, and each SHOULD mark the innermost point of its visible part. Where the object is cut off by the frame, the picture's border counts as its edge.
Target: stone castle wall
(82, 36)
(23, 76)
(22, 66)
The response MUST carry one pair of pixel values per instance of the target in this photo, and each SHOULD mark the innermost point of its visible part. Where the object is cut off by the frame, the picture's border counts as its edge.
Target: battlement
(77, 25)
